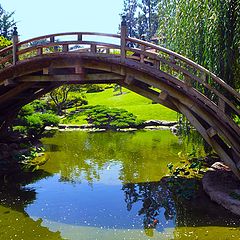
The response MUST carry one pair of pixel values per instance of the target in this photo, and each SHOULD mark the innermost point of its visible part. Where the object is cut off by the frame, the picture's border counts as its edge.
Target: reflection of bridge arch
(36, 66)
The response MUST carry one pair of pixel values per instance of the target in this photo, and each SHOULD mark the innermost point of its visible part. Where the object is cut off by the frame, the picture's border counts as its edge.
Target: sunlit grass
(140, 106)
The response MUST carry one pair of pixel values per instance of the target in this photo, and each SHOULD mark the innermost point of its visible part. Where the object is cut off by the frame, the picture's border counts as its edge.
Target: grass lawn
(132, 102)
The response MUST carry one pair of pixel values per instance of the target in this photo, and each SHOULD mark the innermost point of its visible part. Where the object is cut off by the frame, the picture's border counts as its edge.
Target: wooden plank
(79, 69)
(211, 132)
(9, 82)
(14, 92)
(39, 51)
(79, 37)
(187, 80)
(45, 71)
(65, 48)
(142, 55)
(93, 48)
(221, 104)
(129, 79)
(71, 77)
(163, 95)
(123, 41)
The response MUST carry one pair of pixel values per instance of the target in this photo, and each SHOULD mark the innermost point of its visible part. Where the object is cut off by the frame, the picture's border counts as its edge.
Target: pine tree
(6, 23)
(141, 17)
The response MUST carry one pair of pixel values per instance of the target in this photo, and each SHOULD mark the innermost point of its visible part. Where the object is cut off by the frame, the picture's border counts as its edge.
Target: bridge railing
(183, 72)
(189, 75)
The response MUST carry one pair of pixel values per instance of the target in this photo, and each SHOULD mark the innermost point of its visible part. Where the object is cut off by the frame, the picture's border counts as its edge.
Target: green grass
(132, 102)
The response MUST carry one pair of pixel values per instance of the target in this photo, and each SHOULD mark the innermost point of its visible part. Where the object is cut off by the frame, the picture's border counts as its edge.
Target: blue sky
(36, 18)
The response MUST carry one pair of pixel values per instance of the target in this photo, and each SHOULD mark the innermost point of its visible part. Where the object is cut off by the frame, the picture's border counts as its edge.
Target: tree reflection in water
(165, 201)
(154, 198)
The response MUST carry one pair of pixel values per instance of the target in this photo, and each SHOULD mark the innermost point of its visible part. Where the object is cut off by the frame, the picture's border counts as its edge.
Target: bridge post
(15, 48)
(123, 37)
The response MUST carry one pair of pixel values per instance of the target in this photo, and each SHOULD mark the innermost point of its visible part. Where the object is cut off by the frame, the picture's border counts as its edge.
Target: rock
(175, 129)
(220, 167)
(152, 123)
(223, 187)
(127, 129)
(168, 123)
(158, 123)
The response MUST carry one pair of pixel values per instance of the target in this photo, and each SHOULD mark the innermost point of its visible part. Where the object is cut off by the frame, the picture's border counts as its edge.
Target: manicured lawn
(132, 102)
(138, 105)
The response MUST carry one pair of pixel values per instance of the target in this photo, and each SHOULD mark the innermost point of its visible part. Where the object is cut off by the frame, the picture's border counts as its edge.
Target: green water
(108, 186)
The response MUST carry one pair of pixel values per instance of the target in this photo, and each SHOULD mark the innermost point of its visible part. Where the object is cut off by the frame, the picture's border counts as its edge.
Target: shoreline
(148, 125)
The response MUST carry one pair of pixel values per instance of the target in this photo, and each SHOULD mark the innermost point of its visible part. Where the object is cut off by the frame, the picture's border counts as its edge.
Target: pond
(109, 185)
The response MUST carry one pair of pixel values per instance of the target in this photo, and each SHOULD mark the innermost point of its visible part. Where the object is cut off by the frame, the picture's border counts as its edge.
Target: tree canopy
(6, 23)
(141, 17)
(206, 31)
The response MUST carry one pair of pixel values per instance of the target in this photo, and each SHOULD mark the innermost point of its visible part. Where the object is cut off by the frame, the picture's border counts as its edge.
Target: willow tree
(207, 31)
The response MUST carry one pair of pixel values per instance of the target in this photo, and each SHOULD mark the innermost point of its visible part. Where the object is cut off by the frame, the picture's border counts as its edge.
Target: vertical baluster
(39, 51)
(65, 48)
(123, 37)
(79, 37)
(187, 80)
(93, 48)
(143, 48)
(221, 104)
(15, 48)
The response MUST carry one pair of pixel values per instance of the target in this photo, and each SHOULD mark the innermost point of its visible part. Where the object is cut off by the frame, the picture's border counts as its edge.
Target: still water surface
(108, 186)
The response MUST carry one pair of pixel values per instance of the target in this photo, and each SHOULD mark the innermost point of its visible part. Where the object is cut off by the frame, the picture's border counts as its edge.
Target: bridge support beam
(223, 154)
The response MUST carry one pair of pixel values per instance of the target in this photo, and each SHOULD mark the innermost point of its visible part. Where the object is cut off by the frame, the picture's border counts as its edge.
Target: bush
(111, 118)
(94, 88)
(4, 42)
(37, 122)
(33, 118)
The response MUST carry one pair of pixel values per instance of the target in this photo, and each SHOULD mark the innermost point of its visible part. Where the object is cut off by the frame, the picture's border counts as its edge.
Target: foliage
(33, 118)
(6, 23)
(237, 119)
(91, 88)
(4, 42)
(194, 167)
(141, 17)
(34, 125)
(111, 118)
(61, 100)
(206, 31)
(235, 195)
(32, 159)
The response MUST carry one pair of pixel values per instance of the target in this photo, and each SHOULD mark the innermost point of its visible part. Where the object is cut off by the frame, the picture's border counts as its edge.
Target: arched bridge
(34, 67)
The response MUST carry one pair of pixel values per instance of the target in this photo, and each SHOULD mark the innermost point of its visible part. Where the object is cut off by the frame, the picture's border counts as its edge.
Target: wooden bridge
(31, 68)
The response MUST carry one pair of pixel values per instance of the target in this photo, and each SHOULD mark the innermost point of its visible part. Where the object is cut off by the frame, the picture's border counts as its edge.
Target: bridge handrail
(9, 48)
(146, 49)
(186, 60)
(146, 53)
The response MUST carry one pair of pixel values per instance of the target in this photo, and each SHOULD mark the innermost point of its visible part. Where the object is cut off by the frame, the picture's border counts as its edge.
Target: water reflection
(15, 223)
(109, 186)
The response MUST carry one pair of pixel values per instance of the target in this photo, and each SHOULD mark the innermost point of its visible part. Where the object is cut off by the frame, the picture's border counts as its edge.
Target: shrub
(94, 88)
(4, 42)
(32, 122)
(111, 118)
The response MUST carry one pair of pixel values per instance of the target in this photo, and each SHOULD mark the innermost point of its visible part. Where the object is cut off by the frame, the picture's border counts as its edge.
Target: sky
(37, 18)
